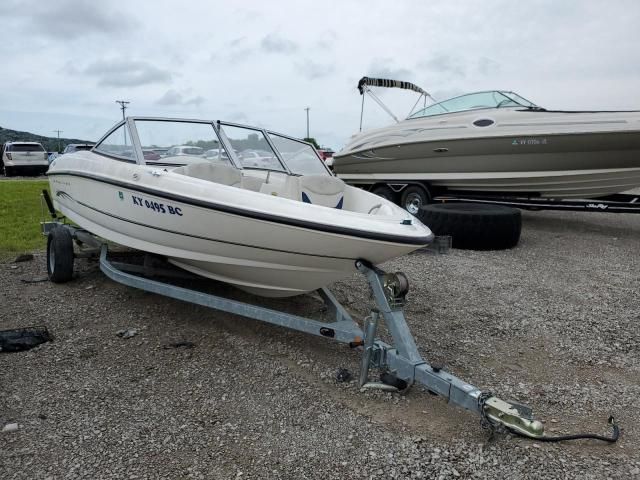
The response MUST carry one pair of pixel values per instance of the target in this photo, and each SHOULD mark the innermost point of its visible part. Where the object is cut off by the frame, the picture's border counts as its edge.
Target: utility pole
(123, 107)
(307, 109)
(58, 132)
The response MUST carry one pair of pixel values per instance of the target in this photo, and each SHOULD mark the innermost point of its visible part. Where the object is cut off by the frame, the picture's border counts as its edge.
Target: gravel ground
(552, 323)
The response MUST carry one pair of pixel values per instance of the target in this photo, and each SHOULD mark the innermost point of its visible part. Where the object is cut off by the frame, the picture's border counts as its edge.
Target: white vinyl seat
(322, 190)
(224, 174)
(252, 183)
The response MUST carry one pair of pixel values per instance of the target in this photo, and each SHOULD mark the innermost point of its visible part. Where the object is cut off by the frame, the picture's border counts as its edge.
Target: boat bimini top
(461, 103)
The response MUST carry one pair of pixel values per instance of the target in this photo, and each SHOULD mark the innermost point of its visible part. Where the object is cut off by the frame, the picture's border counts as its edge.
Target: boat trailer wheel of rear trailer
(400, 363)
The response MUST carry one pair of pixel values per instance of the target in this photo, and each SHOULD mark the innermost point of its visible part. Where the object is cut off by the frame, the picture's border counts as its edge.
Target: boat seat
(322, 190)
(249, 182)
(217, 173)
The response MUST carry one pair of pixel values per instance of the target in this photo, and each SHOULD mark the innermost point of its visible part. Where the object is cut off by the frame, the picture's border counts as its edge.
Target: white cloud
(275, 43)
(126, 73)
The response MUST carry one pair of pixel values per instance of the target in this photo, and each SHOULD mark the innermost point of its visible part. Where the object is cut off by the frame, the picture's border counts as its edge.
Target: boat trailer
(400, 362)
(617, 203)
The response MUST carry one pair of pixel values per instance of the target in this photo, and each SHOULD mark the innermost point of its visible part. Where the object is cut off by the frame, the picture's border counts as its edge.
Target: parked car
(258, 158)
(151, 155)
(180, 150)
(75, 147)
(217, 154)
(24, 157)
(325, 153)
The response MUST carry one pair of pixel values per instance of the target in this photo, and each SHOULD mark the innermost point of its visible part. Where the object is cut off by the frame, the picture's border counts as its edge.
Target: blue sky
(67, 61)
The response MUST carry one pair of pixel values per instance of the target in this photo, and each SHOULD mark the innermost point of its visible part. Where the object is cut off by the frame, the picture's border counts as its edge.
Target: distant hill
(49, 143)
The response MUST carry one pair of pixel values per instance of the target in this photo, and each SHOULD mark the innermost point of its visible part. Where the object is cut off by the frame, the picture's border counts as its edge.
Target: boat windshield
(251, 147)
(475, 101)
(300, 157)
(172, 142)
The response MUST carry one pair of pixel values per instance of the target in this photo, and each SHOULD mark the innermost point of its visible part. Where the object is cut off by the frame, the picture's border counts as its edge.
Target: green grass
(20, 215)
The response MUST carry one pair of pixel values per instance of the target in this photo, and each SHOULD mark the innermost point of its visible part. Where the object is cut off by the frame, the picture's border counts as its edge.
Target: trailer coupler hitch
(512, 416)
(515, 418)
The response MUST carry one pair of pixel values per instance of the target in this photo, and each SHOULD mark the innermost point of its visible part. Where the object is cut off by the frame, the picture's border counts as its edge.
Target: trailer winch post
(370, 330)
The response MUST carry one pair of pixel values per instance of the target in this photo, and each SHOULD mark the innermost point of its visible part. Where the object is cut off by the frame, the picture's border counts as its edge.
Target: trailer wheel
(384, 192)
(414, 197)
(474, 226)
(59, 255)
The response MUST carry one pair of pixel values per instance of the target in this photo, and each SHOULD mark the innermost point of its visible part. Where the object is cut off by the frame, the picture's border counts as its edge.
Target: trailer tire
(414, 197)
(385, 192)
(59, 255)
(474, 226)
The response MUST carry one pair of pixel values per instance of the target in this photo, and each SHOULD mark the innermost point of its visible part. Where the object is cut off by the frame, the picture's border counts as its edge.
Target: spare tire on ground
(474, 226)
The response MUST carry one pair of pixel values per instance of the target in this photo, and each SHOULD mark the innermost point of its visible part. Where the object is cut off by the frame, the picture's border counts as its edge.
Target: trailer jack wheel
(59, 255)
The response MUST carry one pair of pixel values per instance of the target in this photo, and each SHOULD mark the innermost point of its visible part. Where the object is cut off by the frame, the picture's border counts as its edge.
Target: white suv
(25, 156)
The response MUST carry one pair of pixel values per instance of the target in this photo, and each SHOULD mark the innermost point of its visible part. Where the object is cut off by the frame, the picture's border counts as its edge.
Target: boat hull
(526, 158)
(255, 254)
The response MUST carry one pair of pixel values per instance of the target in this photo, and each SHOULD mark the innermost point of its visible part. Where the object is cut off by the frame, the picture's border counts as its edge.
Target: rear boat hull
(508, 158)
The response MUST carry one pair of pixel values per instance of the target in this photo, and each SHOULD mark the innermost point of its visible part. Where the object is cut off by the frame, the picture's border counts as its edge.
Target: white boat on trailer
(298, 232)
(282, 228)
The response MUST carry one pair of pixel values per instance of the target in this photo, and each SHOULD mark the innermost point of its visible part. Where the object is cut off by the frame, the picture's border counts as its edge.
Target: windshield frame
(222, 138)
(236, 160)
(518, 100)
(313, 148)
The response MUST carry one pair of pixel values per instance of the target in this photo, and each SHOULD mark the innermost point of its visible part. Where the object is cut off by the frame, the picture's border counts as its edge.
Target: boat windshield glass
(175, 142)
(300, 157)
(251, 148)
(118, 145)
(475, 101)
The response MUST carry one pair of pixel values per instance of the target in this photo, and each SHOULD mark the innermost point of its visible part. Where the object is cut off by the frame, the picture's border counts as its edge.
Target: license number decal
(156, 206)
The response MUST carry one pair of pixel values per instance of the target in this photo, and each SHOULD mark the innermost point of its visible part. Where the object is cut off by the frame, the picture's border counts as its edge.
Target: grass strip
(20, 216)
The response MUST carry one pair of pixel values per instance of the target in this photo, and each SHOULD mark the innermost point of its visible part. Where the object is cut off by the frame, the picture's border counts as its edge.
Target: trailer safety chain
(579, 436)
(495, 427)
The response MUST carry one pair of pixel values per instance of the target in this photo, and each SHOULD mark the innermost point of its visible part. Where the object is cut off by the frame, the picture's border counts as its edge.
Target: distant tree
(312, 141)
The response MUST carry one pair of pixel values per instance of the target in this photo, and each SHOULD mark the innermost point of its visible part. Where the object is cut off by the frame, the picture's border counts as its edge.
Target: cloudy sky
(65, 62)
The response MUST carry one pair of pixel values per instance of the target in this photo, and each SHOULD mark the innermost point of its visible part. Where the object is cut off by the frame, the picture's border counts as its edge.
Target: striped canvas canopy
(385, 82)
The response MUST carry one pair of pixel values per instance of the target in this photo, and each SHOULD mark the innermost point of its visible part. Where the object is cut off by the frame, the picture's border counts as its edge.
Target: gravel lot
(552, 323)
